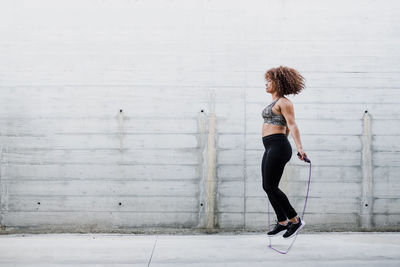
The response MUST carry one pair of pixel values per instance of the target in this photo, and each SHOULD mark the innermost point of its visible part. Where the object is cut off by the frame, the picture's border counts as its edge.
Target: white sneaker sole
(303, 223)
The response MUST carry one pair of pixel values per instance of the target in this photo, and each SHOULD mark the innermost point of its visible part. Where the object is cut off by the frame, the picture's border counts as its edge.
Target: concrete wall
(127, 115)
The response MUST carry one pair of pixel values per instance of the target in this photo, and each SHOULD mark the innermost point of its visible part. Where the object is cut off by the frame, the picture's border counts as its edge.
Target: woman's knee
(269, 189)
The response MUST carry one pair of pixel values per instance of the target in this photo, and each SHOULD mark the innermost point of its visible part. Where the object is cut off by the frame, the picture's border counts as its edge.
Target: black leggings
(277, 153)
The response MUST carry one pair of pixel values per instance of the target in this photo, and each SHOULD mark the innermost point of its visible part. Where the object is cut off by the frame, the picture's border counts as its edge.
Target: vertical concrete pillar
(367, 178)
(208, 184)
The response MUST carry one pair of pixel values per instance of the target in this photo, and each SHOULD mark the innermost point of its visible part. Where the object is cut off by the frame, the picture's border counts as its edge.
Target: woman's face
(269, 85)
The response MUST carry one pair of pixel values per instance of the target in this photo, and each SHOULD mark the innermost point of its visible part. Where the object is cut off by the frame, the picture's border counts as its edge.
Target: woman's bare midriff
(269, 129)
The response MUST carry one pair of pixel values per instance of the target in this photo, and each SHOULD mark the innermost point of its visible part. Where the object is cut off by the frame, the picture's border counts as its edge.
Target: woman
(278, 122)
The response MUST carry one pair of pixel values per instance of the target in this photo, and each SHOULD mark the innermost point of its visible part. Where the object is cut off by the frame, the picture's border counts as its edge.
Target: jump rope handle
(305, 158)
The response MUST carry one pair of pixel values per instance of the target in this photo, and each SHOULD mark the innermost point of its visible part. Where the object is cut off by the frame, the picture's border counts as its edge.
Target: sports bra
(272, 118)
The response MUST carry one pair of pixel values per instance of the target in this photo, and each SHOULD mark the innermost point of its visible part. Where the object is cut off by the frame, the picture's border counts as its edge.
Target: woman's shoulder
(285, 103)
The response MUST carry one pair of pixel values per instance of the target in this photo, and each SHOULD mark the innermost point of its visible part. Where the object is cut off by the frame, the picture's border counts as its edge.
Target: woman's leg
(274, 164)
(265, 170)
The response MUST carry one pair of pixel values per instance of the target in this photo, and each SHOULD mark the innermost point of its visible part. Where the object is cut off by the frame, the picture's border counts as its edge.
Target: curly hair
(286, 80)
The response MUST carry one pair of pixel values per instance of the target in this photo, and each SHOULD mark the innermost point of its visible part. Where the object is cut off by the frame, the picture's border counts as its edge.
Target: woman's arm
(287, 111)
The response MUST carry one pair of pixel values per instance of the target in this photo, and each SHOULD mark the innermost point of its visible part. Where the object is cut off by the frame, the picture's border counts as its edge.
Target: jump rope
(302, 215)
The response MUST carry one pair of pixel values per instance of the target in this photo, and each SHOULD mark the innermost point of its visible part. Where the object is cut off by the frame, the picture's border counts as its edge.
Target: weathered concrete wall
(122, 115)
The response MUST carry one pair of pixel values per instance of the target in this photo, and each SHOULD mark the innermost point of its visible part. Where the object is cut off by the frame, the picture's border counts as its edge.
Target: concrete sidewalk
(200, 250)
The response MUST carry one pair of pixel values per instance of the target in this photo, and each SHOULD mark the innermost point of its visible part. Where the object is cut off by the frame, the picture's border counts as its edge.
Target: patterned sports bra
(272, 118)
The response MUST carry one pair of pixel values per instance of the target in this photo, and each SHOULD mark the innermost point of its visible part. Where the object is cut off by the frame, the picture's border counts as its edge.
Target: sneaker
(294, 228)
(278, 229)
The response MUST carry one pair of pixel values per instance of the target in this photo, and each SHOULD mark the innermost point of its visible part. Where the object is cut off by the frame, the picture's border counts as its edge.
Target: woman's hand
(301, 154)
